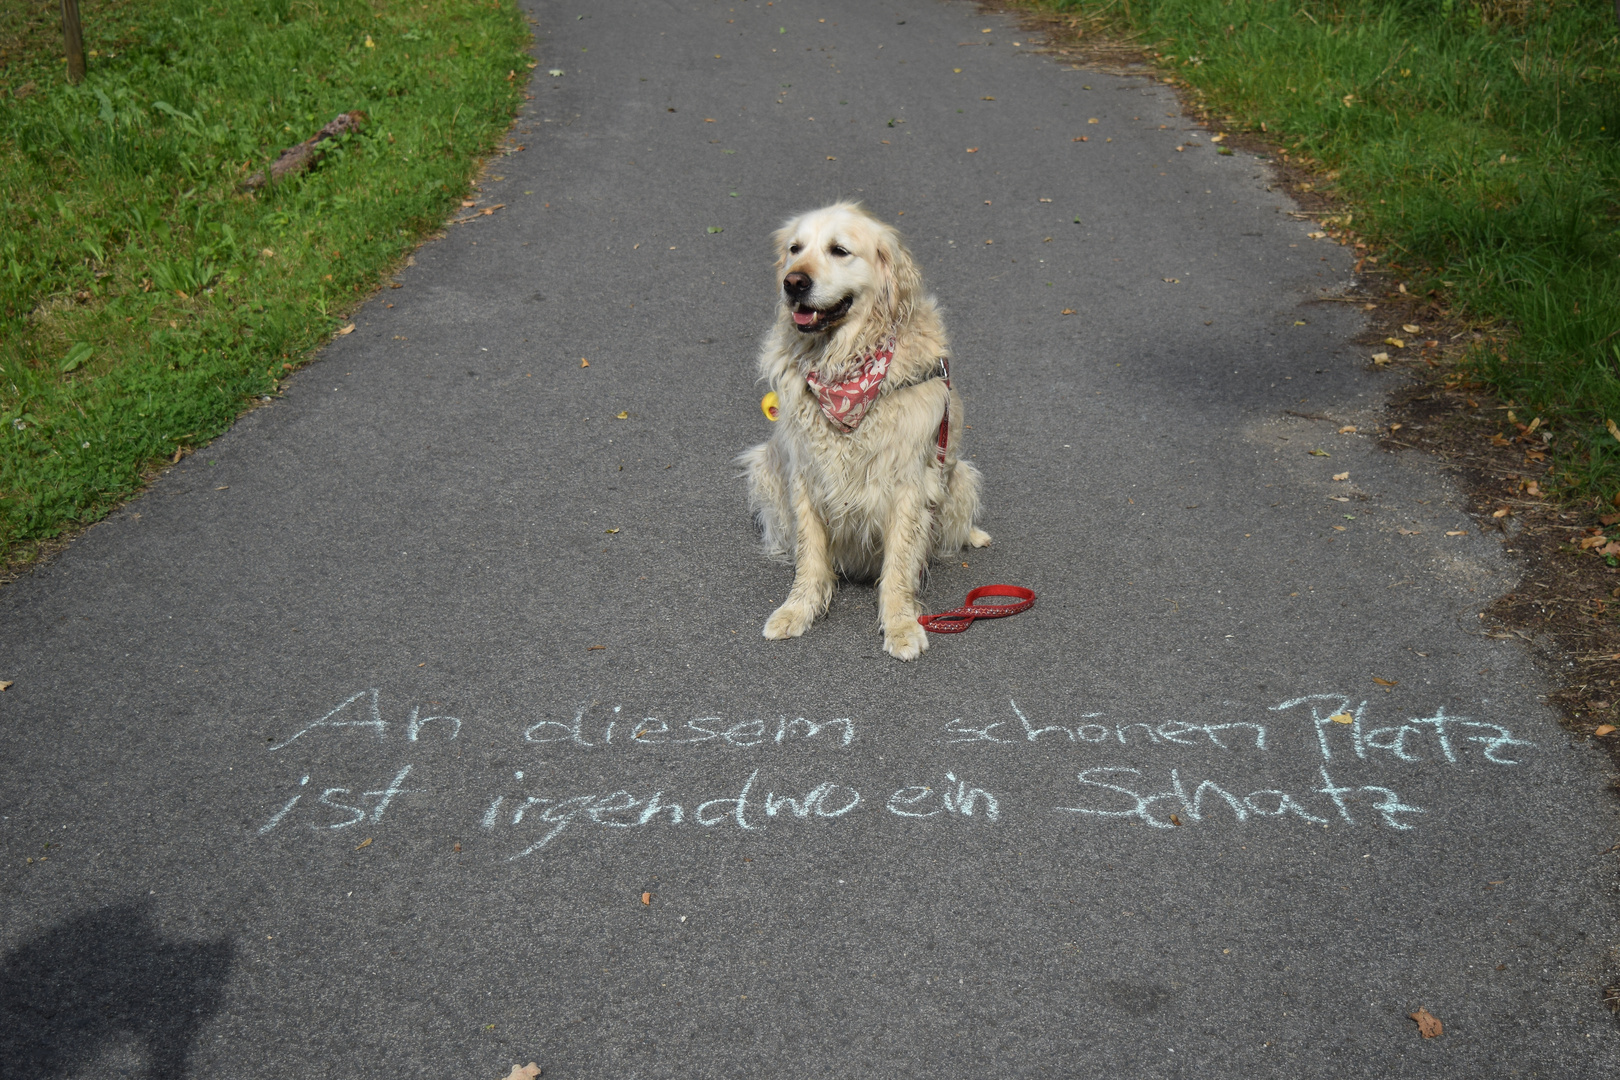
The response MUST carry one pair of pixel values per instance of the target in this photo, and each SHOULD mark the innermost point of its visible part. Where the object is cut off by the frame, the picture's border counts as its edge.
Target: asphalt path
(422, 725)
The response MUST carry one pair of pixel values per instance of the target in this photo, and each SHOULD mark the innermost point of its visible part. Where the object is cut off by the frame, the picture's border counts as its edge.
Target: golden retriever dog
(861, 476)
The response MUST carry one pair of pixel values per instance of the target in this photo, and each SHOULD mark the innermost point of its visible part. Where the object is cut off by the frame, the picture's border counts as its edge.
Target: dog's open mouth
(813, 320)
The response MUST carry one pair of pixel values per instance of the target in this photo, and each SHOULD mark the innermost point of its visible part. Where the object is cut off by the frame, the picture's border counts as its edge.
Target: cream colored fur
(875, 502)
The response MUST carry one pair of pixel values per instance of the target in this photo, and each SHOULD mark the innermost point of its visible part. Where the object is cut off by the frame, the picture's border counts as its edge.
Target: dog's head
(841, 266)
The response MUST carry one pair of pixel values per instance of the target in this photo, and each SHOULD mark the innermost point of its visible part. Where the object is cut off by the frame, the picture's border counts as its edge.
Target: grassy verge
(144, 302)
(1478, 141)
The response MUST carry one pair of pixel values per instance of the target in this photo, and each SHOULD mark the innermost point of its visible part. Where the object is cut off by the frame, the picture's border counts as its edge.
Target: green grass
(1479, 142)
(144, 302)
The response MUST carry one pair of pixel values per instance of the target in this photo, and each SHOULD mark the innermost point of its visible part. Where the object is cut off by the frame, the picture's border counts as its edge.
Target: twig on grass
(296, 159)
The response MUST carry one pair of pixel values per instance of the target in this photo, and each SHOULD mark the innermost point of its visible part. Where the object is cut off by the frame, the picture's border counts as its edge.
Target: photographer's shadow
(103, 980)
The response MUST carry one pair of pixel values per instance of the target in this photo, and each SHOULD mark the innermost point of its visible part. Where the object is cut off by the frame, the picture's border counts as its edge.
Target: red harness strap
(945, 421)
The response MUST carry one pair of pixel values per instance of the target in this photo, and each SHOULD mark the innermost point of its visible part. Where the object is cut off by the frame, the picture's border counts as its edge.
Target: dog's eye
(840, 250)
(795, 249)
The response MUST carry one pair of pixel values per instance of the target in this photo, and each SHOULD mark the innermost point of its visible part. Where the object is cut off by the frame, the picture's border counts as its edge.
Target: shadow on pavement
(101, 981)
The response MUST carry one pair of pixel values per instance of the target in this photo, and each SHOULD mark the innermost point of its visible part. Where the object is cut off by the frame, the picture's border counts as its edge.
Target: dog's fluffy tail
(768, 497)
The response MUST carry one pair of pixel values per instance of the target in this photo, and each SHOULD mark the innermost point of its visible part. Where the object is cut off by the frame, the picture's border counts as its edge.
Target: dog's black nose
(796, 285)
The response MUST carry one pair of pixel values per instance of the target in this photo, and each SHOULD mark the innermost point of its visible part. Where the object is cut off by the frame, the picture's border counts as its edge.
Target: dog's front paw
(905, 639)
(978, 538)
(789, 620)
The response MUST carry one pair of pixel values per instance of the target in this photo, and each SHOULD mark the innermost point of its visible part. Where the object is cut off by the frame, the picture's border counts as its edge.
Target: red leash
(959, 619)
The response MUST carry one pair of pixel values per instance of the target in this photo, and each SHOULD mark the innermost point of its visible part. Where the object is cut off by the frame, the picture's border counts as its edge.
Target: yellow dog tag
(768, 405)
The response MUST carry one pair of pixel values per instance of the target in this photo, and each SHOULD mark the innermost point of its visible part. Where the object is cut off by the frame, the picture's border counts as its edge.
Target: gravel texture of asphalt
(422, 725)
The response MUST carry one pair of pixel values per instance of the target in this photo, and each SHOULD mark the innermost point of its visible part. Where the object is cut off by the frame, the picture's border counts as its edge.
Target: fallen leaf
(363, 844)
(1315, 235)
(1615, 431)
(1339, 498)
(1457, 532)
(1395, 341)
(1429, 1026)
(1341, 476)
(1608, 519)
(557, 73)
(1380, 358)
(1067, 311)
(1348, 429)
(1409, 532)
(346, 330)
(1082, 138)
(646, 898)
(1342, 718)
(957, 70)
(594, 648)
(708, 119)
(457, 847)
(610, 531)
(7, 684)
(1093, 120)
(1338, 528)
(973, 149)
(623, 415)
(987, 99)
(523, 1072)
(584, 362)
(1600, 731)
(396, 285)
(1318, 453)
(1497, 440)
(1386, 682)
(1174, 820)
(1173, 280)
(719, 228)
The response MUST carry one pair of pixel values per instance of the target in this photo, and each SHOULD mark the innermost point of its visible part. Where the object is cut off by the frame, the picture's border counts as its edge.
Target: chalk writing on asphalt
(1159, 773)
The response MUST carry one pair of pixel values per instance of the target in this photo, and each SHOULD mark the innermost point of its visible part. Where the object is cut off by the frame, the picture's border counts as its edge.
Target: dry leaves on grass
(1429, 1025)
(1600, 731)
(523, 1072)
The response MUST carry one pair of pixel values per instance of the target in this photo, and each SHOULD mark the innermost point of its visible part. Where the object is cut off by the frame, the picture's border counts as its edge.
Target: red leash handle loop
(959, 619)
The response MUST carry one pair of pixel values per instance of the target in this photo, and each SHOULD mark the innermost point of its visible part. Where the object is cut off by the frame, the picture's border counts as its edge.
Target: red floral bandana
(845, 403)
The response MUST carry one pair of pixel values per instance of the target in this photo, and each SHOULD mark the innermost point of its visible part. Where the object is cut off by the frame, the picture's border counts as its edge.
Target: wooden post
(73, 33)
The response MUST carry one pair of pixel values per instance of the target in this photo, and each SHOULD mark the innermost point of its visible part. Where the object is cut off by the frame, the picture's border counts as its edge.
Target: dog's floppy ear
(901, 279)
